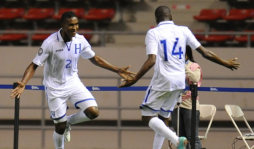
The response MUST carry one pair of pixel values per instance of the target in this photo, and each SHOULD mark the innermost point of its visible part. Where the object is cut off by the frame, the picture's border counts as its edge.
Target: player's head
(189, 55)
(162, 13)
(69, 23)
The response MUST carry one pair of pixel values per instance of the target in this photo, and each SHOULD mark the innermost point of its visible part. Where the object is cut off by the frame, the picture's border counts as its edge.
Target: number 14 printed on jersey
(174, 51)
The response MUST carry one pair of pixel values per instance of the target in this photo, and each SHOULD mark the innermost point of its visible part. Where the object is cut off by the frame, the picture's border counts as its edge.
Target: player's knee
(92, 112)
(60, 127)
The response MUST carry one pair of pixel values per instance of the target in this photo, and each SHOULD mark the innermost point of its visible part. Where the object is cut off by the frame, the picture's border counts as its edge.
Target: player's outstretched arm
(143, 70)
(123, 72)
(231, 63)
(30, 70)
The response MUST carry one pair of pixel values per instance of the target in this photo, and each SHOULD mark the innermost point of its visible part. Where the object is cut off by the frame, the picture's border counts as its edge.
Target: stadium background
(120, 40)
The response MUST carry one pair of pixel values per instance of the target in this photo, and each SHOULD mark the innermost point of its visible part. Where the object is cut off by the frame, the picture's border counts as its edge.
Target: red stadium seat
(41, 36)
(78, 11)
(239, 14)
(87, 36)
(152, 26)
(39, 13)
(11, 13)
(13, 36)
(99, 14)
(217, 38)
(199, 36)
(244, 38)
(210, 14)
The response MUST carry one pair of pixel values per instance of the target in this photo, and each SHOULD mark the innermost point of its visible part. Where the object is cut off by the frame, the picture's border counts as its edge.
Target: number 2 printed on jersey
(68, 65)
(175, 51)
(77, 51)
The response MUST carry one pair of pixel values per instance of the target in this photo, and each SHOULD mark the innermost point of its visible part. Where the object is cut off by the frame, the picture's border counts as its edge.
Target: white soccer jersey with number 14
(60, 58)
(168, 42)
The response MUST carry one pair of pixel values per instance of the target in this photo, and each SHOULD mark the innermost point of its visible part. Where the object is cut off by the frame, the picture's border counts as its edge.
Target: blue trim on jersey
(82, 101)
(58, 117)
(148, 94)
(57, 37)
(141, 107)
(166, 110)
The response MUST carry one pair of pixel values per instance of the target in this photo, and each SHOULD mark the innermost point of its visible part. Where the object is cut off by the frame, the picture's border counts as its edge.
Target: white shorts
(162, 102)
(79, 96)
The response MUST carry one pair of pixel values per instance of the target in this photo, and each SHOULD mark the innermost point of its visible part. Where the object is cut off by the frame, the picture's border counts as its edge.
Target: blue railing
(136, 88)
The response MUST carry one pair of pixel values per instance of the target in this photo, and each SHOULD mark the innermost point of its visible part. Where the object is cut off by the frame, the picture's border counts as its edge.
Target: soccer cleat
(67, 133)
(182, 143)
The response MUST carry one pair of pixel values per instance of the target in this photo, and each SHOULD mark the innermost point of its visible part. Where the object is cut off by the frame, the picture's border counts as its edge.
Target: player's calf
(67, 133)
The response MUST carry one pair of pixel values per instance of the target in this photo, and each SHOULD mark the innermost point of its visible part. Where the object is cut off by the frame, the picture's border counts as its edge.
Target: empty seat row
(94, 14)
(223, 38)
(13, 13)
(232, 15)
(36, 37)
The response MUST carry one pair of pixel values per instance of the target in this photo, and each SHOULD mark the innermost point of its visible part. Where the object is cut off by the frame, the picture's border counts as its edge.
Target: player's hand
(18, 90)
(129, 81)
(232, 64)
(124, 73)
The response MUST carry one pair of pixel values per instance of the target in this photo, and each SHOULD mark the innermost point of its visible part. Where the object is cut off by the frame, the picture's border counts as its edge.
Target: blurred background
(116, 30)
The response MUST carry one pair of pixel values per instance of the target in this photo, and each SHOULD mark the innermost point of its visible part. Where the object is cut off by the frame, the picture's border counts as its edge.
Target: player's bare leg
(58, 135)
(79, 117)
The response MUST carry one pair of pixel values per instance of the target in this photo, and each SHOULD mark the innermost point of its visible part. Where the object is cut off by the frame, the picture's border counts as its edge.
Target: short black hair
(189, 53)
(161, 12)
(67, 15)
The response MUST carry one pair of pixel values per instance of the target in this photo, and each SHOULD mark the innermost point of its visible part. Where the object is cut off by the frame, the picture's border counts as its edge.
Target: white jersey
(168, 42)
(61, 59)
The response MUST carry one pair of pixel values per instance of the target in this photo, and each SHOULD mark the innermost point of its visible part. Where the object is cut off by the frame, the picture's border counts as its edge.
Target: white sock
(158, 141)
(58, 140)
(77, 118)
(159, 127)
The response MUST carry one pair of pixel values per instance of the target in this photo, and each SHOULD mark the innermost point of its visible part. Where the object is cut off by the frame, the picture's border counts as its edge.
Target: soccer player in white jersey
(165, 47)
(60, 53)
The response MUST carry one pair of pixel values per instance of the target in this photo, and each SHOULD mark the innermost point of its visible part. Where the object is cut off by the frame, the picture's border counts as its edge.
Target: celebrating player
(60, 52)
(165, 47)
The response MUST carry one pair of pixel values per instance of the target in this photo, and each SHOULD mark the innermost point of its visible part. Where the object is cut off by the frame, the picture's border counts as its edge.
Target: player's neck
(65, 37)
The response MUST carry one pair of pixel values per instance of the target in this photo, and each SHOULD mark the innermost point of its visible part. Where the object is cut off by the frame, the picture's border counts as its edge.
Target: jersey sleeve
(87, 51)
(151, 44)
(42, 55)
(191, 40)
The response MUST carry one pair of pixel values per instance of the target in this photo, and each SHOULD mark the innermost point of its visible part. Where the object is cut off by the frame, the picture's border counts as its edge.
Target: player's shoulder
(51, 38)
(79, 37)
(152, 30)
(185, 28)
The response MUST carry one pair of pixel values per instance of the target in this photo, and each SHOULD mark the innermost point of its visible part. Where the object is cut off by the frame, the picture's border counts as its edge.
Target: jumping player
(165, 47)
(60, 53)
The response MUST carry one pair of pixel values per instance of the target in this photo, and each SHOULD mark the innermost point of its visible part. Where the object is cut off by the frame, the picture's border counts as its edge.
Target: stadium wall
(14, 61)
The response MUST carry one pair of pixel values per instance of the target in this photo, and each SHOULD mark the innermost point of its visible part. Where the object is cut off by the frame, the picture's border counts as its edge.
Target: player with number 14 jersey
(169, 70)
